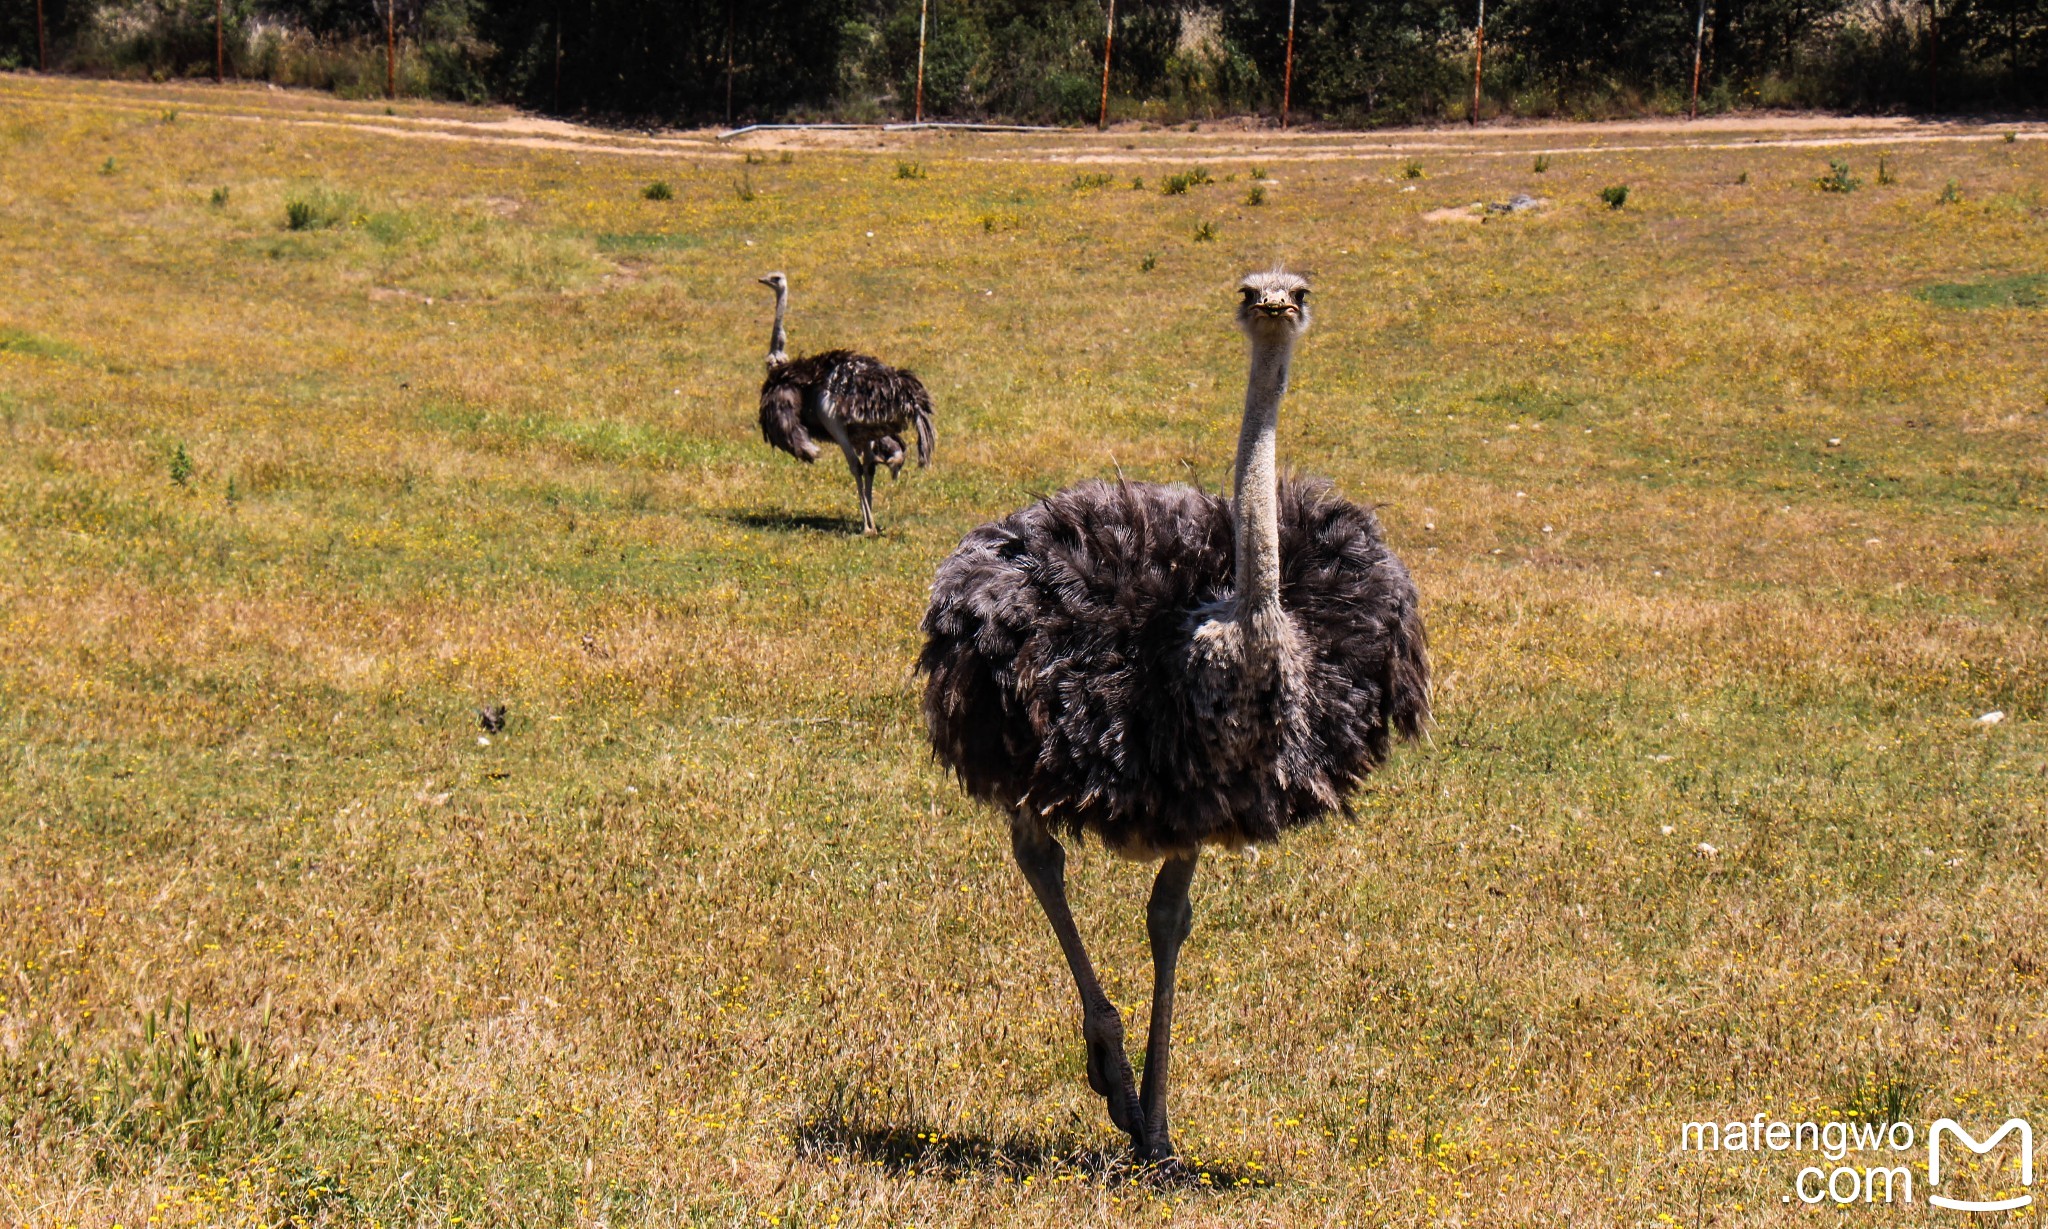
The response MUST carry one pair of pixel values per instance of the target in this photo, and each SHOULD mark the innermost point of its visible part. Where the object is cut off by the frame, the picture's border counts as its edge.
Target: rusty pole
(917, 112)
(1933, 55)
(220, 57)
(1287, 74)
(42, 46)
(1108, 42)
(390, 48)
(1478, 61)
(1699, 43)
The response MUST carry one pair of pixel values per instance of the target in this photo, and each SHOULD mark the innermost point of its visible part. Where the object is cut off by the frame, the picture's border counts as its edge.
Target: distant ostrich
(1154, 666)
(863, 404)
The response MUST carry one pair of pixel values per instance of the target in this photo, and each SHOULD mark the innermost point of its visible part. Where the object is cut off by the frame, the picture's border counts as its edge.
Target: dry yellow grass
(490, 435)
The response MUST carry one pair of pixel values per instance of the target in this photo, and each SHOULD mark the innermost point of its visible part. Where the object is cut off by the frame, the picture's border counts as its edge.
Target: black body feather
(1057, 650)
(877, 404)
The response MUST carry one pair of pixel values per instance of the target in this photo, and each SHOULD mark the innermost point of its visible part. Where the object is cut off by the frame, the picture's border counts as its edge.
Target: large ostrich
(863, 404)
(1155, 666)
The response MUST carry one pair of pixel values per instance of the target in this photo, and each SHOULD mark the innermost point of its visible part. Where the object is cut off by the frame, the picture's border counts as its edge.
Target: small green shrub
(1082, 182)
(1150, 262)
(1257, 196)
(1205, 233)
(1884, 171)
(1175, 185)
(1742, 178)
(1137, 183)
(743, 187)
(108, 167)
(1411, 169)
(181, 467)
(2010, 137)
(1951, 194)
(190, 1088)
(1838, 178)
(1542, 163)
(909, 170)
(1616, 196)
(220, 197)
(318, 210)
(168, 117)
(1258, 172)
(658, 191)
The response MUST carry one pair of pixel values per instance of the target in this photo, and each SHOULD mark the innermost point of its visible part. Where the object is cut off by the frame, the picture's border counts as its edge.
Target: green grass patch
(650, 241)
(2021, 290)
(19, 341)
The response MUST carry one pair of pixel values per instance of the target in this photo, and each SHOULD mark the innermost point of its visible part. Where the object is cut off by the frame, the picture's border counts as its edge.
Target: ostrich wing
(869, 395)
(1058, 679)
(782, 422)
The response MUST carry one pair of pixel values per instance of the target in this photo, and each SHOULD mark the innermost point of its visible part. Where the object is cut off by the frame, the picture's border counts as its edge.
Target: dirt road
(1121, 144)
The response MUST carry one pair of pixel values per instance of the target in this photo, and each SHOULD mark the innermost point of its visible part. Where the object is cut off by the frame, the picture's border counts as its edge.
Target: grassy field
(1727, 508)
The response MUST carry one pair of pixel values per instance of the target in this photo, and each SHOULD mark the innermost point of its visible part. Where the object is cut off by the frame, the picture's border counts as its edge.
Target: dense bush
(1356, 61)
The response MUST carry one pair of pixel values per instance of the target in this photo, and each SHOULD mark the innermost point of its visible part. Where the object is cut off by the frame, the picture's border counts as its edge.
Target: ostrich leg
(865, 478)
(1168, 918)
(855, 462)
(1044, 865)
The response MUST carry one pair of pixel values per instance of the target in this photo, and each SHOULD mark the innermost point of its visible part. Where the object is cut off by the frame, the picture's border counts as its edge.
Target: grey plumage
(856, 401)
(877, 405)
(1058, 647)
(1169, 670)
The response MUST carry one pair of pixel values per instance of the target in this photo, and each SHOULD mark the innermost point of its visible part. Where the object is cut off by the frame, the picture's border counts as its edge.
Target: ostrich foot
(1167, 1167)
(870, 532)
(1109, 1074)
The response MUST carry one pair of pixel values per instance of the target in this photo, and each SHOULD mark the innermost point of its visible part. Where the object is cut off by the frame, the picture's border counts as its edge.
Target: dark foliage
(668, 58)
(1356, 61)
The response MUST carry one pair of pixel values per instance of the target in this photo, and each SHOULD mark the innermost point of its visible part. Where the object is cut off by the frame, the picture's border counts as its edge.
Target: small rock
(1667, 829)
(1993, 717)
(1705, 850)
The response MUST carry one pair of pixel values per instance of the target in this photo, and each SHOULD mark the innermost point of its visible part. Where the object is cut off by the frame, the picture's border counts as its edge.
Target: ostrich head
(1274, 306)
(774, 281)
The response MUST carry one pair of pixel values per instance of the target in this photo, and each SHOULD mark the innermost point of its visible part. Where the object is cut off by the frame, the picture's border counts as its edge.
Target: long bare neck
(1258, 481)
(778, 345)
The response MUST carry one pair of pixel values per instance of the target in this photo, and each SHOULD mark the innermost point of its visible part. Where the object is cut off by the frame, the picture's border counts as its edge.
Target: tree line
(1354, 62)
